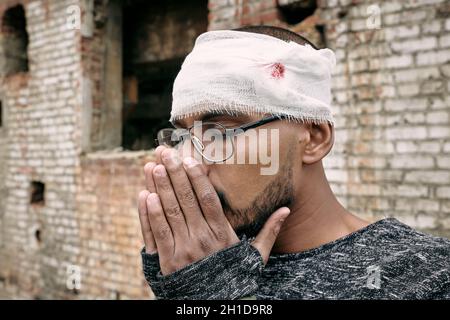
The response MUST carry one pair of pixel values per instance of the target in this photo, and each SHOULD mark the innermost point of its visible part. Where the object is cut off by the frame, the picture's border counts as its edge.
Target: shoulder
(420, 260)
(396, 236)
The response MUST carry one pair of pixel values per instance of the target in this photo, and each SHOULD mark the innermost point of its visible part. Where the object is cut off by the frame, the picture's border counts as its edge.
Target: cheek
(241, 183)
(241, 179)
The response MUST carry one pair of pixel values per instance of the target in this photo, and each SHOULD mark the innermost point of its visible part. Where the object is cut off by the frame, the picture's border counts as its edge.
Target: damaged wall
(391, 97)
(62, 125)
(42, 106)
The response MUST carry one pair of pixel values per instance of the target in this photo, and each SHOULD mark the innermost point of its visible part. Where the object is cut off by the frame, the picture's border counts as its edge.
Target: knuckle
(204, 243)
(163, 232)
(187, 256)
(221, 236)
(164, 184)
(195, 172)
(187, 197)
(173, 211)
(208, 198)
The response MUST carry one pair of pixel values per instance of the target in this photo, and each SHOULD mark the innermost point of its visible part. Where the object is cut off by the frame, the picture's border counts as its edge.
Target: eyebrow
(212, 115)
(238, 116)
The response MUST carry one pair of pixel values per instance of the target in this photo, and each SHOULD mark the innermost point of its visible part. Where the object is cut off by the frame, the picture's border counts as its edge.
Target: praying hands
(182, 218)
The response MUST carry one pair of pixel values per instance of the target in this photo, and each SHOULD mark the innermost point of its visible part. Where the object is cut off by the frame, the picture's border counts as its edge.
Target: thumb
(266, 237)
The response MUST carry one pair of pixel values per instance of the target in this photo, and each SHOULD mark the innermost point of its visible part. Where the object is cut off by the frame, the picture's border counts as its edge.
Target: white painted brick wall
(408, 139)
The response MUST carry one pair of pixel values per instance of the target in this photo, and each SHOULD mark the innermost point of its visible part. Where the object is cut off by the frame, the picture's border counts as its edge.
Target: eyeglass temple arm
(255, 124)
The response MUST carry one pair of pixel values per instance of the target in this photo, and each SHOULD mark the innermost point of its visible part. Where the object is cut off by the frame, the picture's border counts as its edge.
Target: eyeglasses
(211, 139)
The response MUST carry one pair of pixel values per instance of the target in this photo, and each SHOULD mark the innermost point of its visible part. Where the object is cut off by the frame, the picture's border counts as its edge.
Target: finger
(206, 194)
(149, 241)
(148, 172)
(158, 152)
(158, 223)
(169, 201)
(183, 189)
(266, 237)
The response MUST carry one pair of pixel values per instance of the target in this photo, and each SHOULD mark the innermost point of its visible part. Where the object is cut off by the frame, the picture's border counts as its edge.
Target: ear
(321, 139)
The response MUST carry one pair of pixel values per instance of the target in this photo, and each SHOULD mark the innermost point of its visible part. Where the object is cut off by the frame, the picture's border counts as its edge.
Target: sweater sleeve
(150, 265)
(231, 273)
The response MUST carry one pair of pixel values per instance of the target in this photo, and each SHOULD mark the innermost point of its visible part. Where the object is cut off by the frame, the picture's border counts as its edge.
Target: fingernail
(190, 162)
(286, 213)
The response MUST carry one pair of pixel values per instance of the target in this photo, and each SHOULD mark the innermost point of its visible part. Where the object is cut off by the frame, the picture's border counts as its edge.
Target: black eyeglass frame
(228, 131)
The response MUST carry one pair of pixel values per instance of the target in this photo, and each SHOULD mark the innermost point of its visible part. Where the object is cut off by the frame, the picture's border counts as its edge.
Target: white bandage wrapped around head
(245, 72)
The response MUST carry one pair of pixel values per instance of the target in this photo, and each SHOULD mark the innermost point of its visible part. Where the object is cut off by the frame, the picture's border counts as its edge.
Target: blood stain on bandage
(277, 70)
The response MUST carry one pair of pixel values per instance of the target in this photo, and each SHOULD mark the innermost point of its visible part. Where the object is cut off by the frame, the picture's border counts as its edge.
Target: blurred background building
(85, 84)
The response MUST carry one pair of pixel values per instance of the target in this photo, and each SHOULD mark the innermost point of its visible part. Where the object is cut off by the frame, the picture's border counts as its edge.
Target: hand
(182, 218)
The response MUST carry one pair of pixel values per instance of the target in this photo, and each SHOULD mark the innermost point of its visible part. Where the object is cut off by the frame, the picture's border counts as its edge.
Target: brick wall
(42, 109)
(391, 156)
(391, 97)
(108, 224)
(3, 170)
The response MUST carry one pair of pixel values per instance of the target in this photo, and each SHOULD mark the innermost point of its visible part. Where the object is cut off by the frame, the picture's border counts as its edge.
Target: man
(217, 229)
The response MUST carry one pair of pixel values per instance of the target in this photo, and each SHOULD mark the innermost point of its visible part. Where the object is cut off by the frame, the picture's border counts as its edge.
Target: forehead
(217, 116)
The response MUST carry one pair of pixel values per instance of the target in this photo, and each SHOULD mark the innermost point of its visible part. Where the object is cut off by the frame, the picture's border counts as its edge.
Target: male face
(247, 196)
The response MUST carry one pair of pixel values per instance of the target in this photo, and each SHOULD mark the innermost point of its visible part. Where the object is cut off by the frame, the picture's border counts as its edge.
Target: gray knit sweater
(385, 260)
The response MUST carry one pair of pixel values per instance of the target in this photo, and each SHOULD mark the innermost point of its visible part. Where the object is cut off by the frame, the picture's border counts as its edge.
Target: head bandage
(244, 72)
